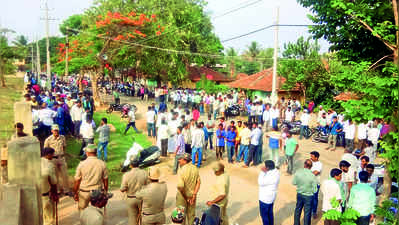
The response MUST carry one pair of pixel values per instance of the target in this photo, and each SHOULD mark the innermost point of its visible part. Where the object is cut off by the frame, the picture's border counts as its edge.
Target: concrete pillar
(23, 114)
(24, 168)
(10, 202)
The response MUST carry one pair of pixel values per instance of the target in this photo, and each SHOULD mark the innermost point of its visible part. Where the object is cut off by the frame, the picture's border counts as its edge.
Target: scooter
(294, 127)
(211, 216)
(145, 157)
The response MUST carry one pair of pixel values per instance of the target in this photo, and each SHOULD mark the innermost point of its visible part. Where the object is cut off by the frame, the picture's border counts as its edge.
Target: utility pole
(274, 82)
(38, 58)
(31, 59)
(48, 47)
(66, 53)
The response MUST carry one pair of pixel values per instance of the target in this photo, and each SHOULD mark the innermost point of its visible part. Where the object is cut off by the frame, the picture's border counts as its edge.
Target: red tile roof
(195, 74)
(241, 75)
(259, 81)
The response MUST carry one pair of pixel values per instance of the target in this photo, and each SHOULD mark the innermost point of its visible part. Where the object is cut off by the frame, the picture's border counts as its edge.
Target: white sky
(23, 16)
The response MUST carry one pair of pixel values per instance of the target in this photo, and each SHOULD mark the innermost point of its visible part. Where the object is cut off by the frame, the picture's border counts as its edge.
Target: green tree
(7, 56)
(303, 68)
(253, 50)
(72, 25)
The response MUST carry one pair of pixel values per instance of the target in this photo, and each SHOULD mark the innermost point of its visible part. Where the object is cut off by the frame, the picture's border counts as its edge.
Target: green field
(118, 146)
(8, 96)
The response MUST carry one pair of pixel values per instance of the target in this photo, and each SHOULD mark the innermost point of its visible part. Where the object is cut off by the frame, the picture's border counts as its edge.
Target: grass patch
(118, 146)
(8, 96)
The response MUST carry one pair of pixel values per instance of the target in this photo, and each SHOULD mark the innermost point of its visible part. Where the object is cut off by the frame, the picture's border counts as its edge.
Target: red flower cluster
(72, 47)
(123, 20)
(108, 67)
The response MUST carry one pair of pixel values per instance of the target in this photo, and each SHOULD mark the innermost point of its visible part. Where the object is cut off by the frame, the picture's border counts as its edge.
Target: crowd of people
(191, 125)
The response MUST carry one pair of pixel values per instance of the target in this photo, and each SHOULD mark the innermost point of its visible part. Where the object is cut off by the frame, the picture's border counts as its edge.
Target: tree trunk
(80, 79)
(387, 186)
(96, 95)
(2, 78)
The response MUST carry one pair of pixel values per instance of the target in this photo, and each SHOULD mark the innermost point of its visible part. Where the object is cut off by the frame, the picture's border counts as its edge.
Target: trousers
(332, 138)
(266, 213)
(195, 151)
(133, 210)
(315, 200)
(230, 153)
(102, 147)
(84, 199)
(61, 172)
(190, 209)
(303, 202)
(243, 153)
(275, 156)
(251, 154)
(48, 211)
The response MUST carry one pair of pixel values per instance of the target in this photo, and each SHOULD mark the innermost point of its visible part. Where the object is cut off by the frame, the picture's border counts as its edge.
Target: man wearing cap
(48, 186)
(220, 191)
(91, 174)
(153, 196)
(58, 143)
(132, 182)
(188, 185)
(93, 215)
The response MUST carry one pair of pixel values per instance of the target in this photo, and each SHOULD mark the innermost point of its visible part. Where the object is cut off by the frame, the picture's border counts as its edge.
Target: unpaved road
(243, 205)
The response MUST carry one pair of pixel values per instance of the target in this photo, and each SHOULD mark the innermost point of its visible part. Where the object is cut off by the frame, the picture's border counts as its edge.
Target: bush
(210, 86)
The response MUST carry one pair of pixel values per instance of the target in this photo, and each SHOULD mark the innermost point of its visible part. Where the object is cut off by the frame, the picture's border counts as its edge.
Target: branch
(378, 62)
(392, 47)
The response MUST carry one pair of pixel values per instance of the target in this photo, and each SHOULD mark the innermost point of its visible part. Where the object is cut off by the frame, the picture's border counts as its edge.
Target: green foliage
(339, 21)
(210, 86)
(303, 68)
(348, 217)
(385, 212)
(72, 25)
(7, 56)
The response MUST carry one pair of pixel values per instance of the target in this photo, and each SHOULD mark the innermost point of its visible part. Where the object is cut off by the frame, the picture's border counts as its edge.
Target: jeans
(230, 153)
(315, 200)
(195, 151)
(274, 124)
(251, 154)
(266, 212)
(164, 147)
(275, 156)
(303, 202)
(76, 127)
(210, 137)
(219, 152)
(302, 131)
(290, 162)
(363, 220)
(151, 129)
(243, 153)
(131, 124)
(102, 147)
(258, 154)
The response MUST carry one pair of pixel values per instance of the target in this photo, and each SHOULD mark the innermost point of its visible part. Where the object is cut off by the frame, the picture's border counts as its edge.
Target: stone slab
(23, 114)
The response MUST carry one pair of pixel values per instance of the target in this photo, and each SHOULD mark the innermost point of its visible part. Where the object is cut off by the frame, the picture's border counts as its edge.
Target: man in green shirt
(363, 199)
(116, 97)
(291, 147)
(306, 185)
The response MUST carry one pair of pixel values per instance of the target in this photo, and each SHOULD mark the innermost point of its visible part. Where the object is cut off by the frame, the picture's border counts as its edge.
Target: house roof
(241, 75)
(345, 96)
(259, 81)
(195, 74)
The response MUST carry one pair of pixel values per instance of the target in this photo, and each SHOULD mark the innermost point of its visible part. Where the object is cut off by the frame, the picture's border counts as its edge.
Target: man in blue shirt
(230, 138)
(220, 135)
(335, 128)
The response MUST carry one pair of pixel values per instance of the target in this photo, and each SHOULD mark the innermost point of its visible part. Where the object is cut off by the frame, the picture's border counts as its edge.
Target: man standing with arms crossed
(91, 174)
(188, 185)
(132, 182)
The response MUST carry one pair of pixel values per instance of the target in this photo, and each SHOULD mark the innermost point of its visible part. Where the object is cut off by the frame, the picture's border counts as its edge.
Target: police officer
(153, 196)
(91, 174)
(132, 182)
(93, 214)
(220, 191)
(48, 186)
(58, 143)
(188, 185)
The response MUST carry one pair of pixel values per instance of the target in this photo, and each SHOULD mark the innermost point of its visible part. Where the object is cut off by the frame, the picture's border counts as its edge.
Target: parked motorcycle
(145, 157)
(321, 137)
(233, 111)
(211, 216)
(294, 127)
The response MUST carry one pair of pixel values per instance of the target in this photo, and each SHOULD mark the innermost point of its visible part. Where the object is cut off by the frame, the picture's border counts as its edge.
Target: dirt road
(243, 205)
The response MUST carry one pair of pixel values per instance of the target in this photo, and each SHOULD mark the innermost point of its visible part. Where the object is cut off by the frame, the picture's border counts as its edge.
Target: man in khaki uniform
(48, 186)
(58, 143)
(220, 191)
(132, 182)
(91, 174)
(93, 214)
(153, 196)
(188, 184)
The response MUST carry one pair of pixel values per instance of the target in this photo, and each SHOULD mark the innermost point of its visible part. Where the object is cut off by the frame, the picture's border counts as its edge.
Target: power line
(265, 28)
(218, 16)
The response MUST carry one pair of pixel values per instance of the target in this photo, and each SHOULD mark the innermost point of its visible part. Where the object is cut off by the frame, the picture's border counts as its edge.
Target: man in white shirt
(321, 112)
(150, 115)
(87, 132)
(289, 115)
(256, 135)
(163, 134)
(274, 114)
(331, 188)
(132, 121)
(348, 177)
(267, 120)
(349, 130)
(197, 143)
(77, 112)
(350, 158)
(373, 136)
(259, 112)
(373, 179)
(46, 119)
(305, 117)
(268, 180)
(316, 169)
(361, 134)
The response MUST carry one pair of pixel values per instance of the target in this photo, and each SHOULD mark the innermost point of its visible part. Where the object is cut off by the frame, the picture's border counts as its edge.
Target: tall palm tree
(253, 50)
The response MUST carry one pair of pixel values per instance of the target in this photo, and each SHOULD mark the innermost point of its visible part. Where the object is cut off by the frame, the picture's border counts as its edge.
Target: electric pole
(48, 48)
(31, 59)
(274, 82)
(66, 53)
(38, 58)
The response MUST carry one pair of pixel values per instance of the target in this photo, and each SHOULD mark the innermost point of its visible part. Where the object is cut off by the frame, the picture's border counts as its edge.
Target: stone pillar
(23, 114)
(24, 169)
(10, 202)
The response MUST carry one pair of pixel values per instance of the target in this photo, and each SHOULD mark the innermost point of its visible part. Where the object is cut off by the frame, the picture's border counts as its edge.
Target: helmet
(178, 214)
